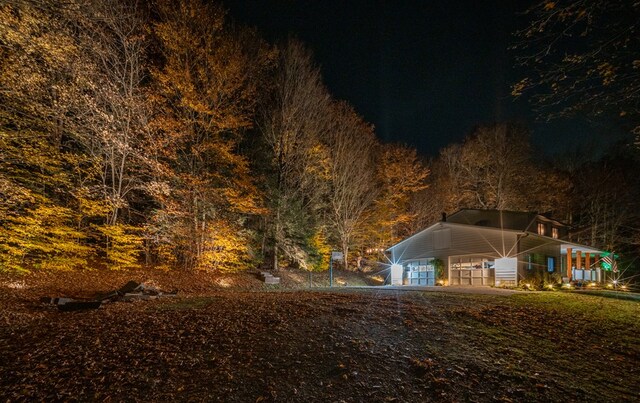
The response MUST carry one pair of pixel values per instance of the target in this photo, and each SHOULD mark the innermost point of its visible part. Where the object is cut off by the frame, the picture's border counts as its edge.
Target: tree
(293, 122)
(208, 83)
(581, 56)
(45, 177)
(352, 169)
(399, 175)
(491, 169)
(40, 229)
(112, 114)
(605, 201)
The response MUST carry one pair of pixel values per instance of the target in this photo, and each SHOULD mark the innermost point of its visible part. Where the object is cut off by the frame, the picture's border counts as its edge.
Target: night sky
(423, 72)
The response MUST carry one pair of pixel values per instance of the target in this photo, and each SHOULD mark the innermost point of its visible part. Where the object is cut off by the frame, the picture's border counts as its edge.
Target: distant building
(492, 247)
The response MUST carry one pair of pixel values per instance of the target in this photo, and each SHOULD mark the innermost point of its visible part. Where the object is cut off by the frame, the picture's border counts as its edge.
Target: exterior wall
(531, 245)
(443, 241)
(469, 244)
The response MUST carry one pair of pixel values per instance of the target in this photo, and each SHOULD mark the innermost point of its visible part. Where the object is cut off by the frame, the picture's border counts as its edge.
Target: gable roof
(441, 224)
(563, 244)
(518, 220)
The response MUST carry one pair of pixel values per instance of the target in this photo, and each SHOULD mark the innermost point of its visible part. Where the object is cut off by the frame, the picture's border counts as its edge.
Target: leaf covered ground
(254, 344)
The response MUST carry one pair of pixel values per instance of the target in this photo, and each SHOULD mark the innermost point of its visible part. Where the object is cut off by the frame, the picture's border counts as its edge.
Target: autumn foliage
(162, 134)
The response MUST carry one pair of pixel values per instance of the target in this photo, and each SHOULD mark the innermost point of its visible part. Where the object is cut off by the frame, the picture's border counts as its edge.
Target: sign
(337, 256)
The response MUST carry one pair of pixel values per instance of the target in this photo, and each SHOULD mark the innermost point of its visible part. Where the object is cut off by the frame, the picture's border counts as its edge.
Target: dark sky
(423, 72)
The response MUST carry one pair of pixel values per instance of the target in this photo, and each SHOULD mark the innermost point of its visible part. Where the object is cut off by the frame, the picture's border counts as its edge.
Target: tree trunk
(345, 253)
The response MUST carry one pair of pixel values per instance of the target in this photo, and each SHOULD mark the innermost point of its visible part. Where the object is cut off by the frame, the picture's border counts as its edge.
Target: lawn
(341, 345)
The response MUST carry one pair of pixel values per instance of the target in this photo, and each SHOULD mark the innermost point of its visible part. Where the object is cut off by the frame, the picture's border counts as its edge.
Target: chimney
(444, 217)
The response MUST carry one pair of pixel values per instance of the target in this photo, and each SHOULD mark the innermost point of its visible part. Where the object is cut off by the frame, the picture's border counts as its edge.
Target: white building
(491, 247)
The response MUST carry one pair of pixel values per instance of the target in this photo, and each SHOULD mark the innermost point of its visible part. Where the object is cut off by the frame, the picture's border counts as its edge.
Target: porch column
(587, 261)
(596, 260)
(569, 262)
(578, 260)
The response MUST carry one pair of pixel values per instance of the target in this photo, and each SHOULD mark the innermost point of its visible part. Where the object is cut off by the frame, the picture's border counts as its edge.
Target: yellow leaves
(42, 238)
(320, 245)
(123, 245)
(320, 162)
(550, 5)
(226, 247)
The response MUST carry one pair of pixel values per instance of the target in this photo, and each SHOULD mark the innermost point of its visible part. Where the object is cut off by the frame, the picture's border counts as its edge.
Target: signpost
(334, 256)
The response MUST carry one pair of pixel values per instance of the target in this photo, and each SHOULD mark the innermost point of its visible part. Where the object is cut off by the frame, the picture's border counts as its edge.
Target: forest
(162, 134)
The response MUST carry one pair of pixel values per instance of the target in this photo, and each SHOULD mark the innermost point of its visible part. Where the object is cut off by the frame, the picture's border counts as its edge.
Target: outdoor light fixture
(396, 274)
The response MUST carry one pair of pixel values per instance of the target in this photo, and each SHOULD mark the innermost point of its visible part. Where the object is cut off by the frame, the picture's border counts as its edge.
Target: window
(471, 263)
(554, 233)
(541, 228)
(551, 262)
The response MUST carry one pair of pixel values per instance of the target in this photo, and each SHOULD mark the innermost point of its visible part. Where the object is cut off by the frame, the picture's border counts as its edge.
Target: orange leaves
(607, 72)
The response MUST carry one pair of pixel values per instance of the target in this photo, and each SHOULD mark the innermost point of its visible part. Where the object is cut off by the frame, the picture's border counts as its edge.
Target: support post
(578, 260)
(331, 272)
(569, 262)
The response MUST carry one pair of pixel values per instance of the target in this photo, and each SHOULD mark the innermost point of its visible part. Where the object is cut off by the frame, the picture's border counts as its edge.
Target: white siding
(464, 240)
(506, 271)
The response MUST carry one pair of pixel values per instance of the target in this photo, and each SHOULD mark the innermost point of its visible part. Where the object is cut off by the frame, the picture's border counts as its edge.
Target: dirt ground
(254, 344)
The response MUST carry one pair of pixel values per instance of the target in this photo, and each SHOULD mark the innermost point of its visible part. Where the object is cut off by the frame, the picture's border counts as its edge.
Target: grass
(592, 307)
(327, 345)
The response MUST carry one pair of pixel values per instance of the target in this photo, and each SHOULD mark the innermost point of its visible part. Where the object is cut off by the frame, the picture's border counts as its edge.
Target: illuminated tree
(112, 113)
(352, 189)
(45, 178)
(208, 81)
(293, 123)
(399, 175)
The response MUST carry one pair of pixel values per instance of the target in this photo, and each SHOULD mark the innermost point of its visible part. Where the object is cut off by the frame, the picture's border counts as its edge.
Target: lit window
(541, 228)
(554, 233)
